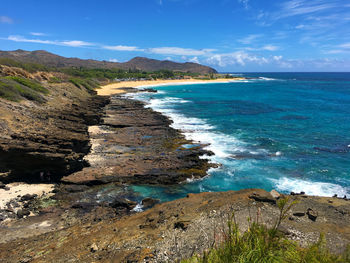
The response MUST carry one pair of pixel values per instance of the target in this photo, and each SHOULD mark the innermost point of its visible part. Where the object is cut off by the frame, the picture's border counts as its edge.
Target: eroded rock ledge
(46, 139)
(135, 145)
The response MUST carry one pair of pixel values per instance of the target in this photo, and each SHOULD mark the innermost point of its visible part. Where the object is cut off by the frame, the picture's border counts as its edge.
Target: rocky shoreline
(135, 145)
(94, 147)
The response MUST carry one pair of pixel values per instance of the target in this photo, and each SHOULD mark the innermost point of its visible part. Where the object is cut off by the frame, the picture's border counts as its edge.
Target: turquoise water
(283, 131)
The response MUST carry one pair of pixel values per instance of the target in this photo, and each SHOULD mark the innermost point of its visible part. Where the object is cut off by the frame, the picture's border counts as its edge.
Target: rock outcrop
(48, 140)
(135, 145)
(177, 229)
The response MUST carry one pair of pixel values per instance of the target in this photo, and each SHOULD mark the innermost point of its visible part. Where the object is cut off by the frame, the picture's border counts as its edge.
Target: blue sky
(229, 35)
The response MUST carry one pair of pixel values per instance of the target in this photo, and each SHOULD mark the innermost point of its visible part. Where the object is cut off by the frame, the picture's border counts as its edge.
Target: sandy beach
(20, 189)
(117, 88)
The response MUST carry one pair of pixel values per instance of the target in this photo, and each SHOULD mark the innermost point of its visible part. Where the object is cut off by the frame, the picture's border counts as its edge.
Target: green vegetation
(89, 84)
(97, 73)
(30, 84)
(55, 80)
(30, 67)
(262, 244)
(16, 88)
(116, 73)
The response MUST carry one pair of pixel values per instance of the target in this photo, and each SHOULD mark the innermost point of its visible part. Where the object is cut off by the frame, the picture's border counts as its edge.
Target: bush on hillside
(262, 244)
(15, 89)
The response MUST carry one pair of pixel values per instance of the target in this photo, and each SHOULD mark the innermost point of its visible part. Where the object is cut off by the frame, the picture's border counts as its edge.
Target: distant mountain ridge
(52, 60)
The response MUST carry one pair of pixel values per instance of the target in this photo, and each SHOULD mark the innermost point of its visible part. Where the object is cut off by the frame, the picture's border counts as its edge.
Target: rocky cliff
(49, 135)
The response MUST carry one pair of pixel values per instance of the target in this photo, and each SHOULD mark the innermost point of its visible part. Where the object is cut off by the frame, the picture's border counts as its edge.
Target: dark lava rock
(181, 224)
(123, 203)
(267, 197)
(75, 188)
(312, 214)
(149, 202)
(23, 212)
(299, 214)
(2, 185)
(28, 197)
(149, 90)
(2, 217)
(84, 206)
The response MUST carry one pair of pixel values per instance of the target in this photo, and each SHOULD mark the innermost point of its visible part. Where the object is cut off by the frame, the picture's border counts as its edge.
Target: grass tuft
(264, 245)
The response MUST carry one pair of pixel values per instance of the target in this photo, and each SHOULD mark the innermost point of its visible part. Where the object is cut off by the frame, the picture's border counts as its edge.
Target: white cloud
(113, 60)
(22, 39)
(270, 48)
(178, 51)
(72, 43)
(6, 20)
(122, 48)
(345, 45)
(249, 39)
(76, 43)
(318, 10)
(244, 3)
(194, 60)
(338, 49)
(236, 58)
(334, 51)
(37, 34)
(302, 7)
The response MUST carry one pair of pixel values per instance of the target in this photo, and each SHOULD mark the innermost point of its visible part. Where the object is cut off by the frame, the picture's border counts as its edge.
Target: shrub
(30, 84)
(14, 91)
(30, 67)
(262, 244)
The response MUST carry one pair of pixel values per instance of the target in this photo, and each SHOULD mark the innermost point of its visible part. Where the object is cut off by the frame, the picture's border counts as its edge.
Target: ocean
(282, 131)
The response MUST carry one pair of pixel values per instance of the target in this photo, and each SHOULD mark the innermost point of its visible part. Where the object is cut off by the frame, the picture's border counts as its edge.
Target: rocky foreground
(180, 228)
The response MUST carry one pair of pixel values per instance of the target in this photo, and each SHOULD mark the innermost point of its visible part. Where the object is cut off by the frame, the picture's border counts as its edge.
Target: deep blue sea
(283, 131)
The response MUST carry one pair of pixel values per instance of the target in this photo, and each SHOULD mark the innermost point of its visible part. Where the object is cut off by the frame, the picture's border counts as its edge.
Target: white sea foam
(184, 83)
(195, 129)
(263, 78)
(138, 208)
(310, 188)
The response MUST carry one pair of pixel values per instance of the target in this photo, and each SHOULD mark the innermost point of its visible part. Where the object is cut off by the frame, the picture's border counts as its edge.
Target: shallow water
(283, 131)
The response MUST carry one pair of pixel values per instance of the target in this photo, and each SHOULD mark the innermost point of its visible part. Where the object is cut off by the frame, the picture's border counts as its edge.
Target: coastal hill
(145, 64)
